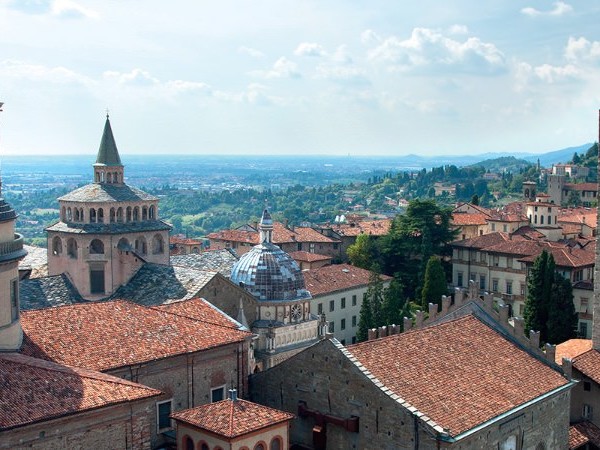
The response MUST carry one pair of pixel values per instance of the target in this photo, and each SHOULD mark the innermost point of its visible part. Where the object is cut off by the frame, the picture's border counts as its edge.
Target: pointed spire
(108, 153)
(266, 227)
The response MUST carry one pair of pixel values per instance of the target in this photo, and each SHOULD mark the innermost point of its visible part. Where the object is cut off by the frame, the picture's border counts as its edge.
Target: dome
(270, 274)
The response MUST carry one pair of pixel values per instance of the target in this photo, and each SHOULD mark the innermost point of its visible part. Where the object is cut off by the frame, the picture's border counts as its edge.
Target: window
(354, 300)
(482, 256)
(217, 394)
(343, 302)
(505, 228)
(354, 339)
(188, 443)
(496, 260)
(276, 443)
(353, 321)
(332, 327)
(97, 280)
(509, 287)
(587, 386)
(343, 324)
(14, 299)
(260, 446)
(587, 411)
(510, 443)
(56, 246)
(583, 330)
(495, 285)
(320, 308)
(522, 288)
(459, 279)
(97, 247)
(72, 248)
(331, 305)
(163, 411)
(509, 262)
(493, 227)
(482, 282)
(204, 446)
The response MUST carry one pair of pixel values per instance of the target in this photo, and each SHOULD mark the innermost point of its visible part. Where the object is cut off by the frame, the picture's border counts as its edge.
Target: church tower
(107, 229)
(11, 251)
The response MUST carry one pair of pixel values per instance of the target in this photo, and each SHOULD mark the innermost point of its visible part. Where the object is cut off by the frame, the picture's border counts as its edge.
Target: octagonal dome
(270, 274)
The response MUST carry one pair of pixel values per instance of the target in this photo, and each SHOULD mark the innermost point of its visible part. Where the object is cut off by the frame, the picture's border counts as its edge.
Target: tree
(394, 306)
(434, 284)
(365, 320)
(475, 200)
(371, 310)
(361, 252)
(536, 303)
(562, 318)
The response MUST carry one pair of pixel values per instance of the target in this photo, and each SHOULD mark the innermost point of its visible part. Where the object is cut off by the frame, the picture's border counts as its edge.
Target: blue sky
(299, 77)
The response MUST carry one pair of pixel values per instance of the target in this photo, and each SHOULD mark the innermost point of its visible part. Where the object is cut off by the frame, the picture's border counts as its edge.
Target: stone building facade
(107, 229)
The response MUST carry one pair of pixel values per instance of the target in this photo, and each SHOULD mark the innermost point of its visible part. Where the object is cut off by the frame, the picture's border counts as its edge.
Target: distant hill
(503, 163)
(558, 156)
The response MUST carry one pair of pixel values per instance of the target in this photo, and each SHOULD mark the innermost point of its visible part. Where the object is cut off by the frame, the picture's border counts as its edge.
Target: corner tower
(107, 229)
(11, 251)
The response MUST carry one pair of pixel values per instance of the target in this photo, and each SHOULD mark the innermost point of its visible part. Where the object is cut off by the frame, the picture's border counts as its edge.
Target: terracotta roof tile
(232, 418)
(455, 372)
(469, 219)
(281, 235)
(483, 241)
(370, 227)
(184, 240)
(107, 335)
(583, 433)
(200, 309)
(572, 348)
(588, 363)
(336, 277)
(308, 257)
(32, 390)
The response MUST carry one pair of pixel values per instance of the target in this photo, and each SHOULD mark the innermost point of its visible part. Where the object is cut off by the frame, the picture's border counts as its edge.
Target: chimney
(567, 367)
(596, 315)
(407, 323)
(550, 353)
(233, 394)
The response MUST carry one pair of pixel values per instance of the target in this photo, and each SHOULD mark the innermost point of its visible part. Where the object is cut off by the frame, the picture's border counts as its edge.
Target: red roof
(572, 348)
(417, 366)
(232, 418)
(336, 277)
(199, 309)
(107, 335)
(583, 433)
(281, 235)
(461, 219)
(370, 227)
(184, 241)
(34, 390)
(308, 257)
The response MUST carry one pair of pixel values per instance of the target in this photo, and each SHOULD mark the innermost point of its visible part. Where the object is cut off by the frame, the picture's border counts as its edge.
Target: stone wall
(126, 426)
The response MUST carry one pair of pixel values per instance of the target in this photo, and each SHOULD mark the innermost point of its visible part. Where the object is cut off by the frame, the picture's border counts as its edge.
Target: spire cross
(107, 113)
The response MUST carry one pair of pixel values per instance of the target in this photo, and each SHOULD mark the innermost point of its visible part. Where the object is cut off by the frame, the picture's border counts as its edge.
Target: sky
(304, 77)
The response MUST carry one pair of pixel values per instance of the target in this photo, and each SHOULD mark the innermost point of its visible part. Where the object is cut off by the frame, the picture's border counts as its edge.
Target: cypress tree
(365, 320)
(434, 285)
(562, 318)
(535, 311)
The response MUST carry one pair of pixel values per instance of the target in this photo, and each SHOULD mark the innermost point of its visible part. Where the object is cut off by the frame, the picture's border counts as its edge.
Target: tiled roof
(33, 390)
(479, 209)
(184, 240)
(565, 256)
(108, 335)
(110, 228)
(582, 186)
(572, 348)
(459, 218)
(36, 259)
(232, 418)
(529, 232)
(221, 261)
(370, 227)
(281, 235)
(308, 257)
(579, 216)
(588, 363)
(483, 241)
(200, 309)
(47, 292)
(155, 284)
(456, 372)
(583, 433)
(106, 193)
(336, 277)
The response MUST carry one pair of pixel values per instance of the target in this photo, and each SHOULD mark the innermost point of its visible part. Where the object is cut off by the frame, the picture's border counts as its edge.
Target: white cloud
(40, 73)
(309, 49)
(69, 9)
(137, 77)
(282, 68)
(458, 29)
(526, 74)
(251, 52)
(430, 50)
(370, 37)
(344, 74)
(560, 8)
(342, 55)
(181, 86)
(582, 50)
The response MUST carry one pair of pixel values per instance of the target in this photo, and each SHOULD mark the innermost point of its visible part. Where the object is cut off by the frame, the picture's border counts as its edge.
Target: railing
(7, 248)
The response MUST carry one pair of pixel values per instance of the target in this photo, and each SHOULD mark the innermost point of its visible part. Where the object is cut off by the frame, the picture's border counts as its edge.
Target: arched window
(97, 247)
(124, 245)
(204, 446)
(276, 443)
(188, 443)
(128, 214)
(136, 213)
(141, 246)
(109, 177)
(120, 215)
(115, 177)
(195, 250)
(100, 215)
(69, 214)
(112, 215)
(56, 246)
(81, 215)
(260, 446)
(151, 212)
(97, 177)
(63, 214)
(102, 177)
(72, 248)
(92, 215)
(158, 246)
(144, 213)
(77, 219)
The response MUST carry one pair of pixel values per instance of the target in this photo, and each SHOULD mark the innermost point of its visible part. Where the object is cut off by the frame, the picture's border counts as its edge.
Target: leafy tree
(434, 284)
(562, 318)
(361, 253)
(394, 306)
(475, 200)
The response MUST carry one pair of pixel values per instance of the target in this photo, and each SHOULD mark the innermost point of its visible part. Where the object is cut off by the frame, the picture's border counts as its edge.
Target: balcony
(12, 249)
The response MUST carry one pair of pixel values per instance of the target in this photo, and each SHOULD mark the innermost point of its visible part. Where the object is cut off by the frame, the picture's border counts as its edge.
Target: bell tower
(11, 251)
